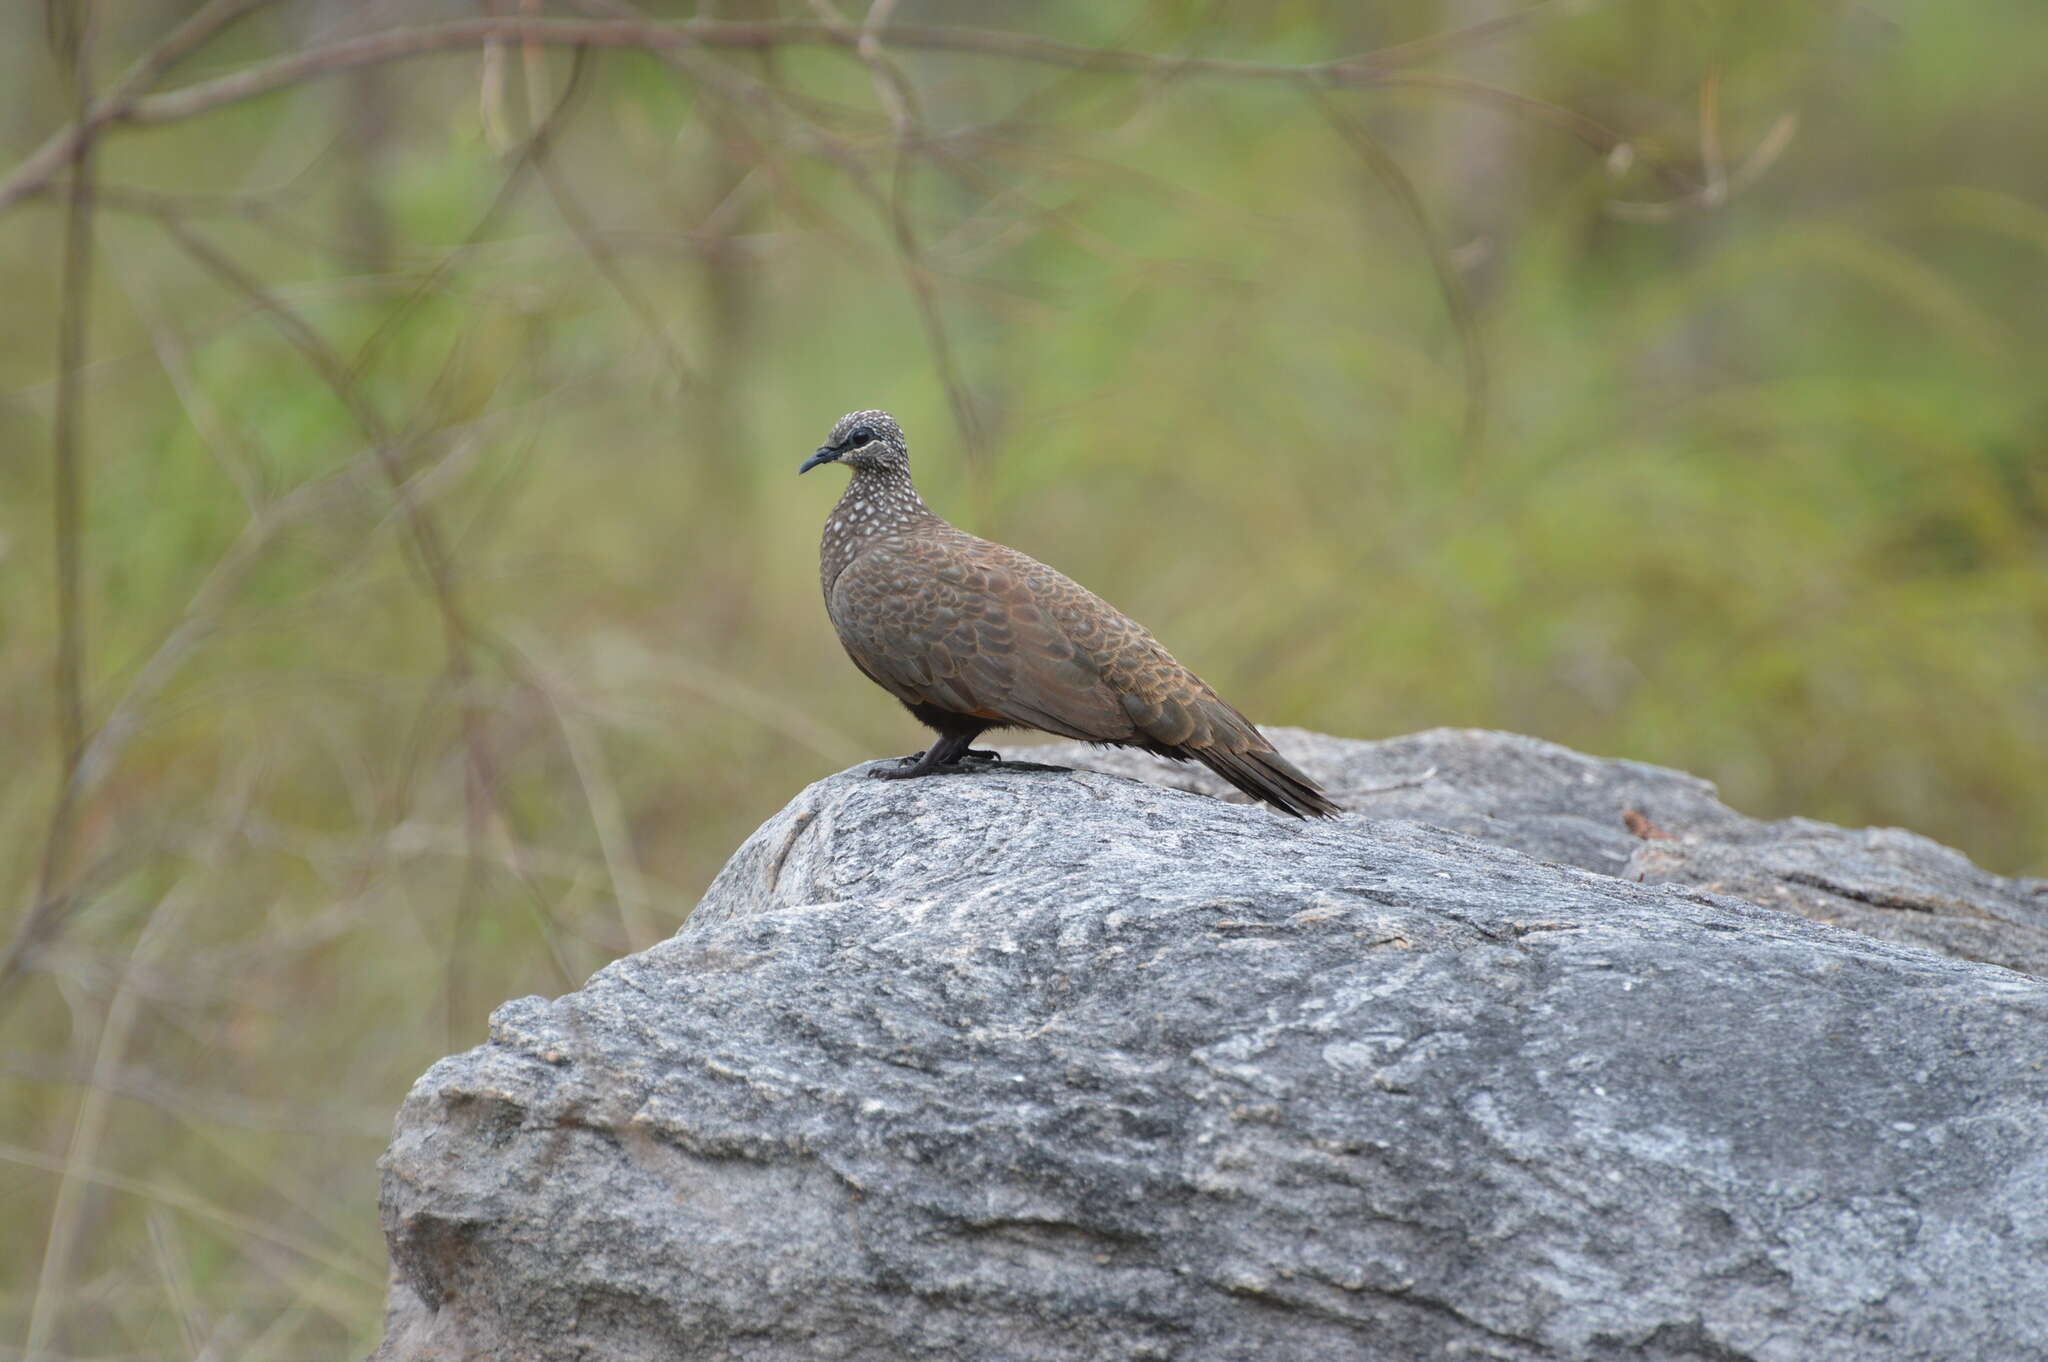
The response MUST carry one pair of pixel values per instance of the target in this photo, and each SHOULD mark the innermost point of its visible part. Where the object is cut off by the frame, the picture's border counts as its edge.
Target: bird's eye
(859, 437)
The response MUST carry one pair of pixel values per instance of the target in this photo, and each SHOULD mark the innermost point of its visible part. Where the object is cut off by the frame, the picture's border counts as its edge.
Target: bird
(972, 635)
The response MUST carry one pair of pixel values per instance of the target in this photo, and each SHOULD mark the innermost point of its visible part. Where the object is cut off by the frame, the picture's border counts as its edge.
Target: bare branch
(602, 257)
(897, 96)
(1717, 184)
(1591, 131)
(67, 513)
(523, 160)
(601, 797)
(191, 1203)
(433, 563)
(130, 103)
(1474, 34)
(89, 1125)
(1396, 182)
(65, 439)
(63, 146)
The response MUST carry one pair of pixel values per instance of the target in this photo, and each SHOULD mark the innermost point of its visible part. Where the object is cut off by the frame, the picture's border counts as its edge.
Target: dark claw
(972, 760)
(901, 768)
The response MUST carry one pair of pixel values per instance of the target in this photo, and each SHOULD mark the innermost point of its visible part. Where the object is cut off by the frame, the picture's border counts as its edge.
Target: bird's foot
(905, 769)
(973, 759)
(975, 754)
(969, 763)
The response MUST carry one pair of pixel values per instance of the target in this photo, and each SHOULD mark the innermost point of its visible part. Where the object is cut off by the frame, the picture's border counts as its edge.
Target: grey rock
(1042, 1066)
(1559, 805)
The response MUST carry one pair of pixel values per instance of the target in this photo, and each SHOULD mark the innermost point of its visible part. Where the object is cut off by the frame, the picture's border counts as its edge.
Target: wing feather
(941, 619)
(971, 627)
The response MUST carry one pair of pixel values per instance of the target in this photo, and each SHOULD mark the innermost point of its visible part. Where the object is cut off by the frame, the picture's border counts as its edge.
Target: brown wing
(959, 624)
(977, 628)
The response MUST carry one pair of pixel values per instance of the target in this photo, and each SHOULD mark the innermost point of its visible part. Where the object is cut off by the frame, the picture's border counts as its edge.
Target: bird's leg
(971, 754)
(943, 754)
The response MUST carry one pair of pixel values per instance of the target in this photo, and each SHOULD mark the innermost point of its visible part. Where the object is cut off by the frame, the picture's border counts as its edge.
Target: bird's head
(864, 441)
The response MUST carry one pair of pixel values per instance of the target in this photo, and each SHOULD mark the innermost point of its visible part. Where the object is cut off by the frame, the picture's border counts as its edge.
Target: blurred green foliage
(1761, 491)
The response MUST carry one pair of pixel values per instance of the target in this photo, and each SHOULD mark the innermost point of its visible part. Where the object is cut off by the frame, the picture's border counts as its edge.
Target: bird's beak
(827, 454)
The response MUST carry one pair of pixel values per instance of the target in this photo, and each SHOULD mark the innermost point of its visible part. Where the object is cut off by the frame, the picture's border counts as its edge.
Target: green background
(1749, 477)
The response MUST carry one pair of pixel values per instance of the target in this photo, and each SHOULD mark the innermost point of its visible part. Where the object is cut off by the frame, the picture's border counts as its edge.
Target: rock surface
(1559, 805)
(1059, 1066)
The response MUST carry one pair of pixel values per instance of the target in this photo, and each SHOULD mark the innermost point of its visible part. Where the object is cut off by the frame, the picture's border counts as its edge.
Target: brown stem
(67, 507)
(429, 551)
(602, 257)
(1395, 181)
(63, 147)
(129, 102)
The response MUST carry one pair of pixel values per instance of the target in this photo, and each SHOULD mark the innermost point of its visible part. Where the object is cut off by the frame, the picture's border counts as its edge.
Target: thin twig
(1591, 131)
(68, 507)
(174, 1266)
(65, 440)
(180, 1199)
(63, 146)
(898, 98)
(431, 561)
(1456, 301)
(89, 1125)
(1719, 185)
(436, 278)
(221, 1106)
(1713, 162)
(1472, 35)
(602, 257)
(130, 103)
(174, 358)
(1360, 69)
(607, 810)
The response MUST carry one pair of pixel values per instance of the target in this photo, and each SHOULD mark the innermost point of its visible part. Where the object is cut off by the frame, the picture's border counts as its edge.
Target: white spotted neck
(877, 503)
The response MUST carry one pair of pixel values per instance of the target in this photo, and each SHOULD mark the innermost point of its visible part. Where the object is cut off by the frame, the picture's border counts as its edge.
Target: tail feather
(1268, 776)
(1183, 719)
